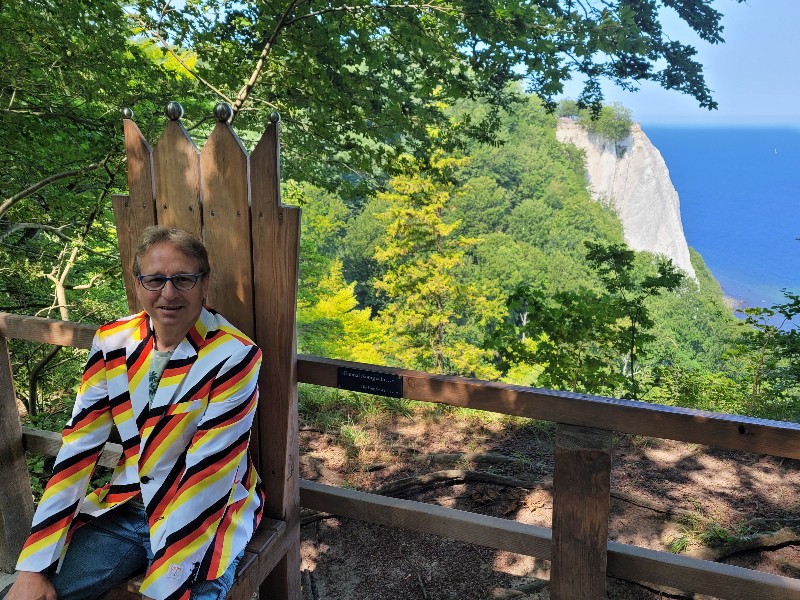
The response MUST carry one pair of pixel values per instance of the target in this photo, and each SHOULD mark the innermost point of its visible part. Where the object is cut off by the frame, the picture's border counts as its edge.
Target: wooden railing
(577, 544)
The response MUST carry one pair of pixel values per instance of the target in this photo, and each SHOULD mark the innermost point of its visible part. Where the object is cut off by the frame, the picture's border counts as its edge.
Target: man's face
(172, 311)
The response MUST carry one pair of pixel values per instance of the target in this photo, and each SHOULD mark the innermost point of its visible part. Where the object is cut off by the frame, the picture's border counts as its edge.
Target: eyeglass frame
(196, 276)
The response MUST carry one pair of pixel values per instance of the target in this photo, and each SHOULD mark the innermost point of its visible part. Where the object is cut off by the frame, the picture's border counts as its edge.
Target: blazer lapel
(138, 354)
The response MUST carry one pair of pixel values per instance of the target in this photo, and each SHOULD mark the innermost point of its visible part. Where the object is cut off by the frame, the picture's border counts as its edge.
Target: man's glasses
(182, 282)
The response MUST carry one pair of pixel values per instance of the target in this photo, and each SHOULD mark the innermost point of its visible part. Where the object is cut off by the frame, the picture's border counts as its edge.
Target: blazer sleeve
(204, 489)
(83, 439)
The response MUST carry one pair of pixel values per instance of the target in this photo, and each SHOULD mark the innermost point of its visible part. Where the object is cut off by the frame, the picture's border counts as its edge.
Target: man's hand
(31, 586)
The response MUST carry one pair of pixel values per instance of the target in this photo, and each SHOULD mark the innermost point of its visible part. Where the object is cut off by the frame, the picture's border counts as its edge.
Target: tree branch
(9, 202)
(33, 392)
(83, 286)
(58, 231)
(174, 55)
(353, 9)
(453, 477)
(248, 87)
(780, 538)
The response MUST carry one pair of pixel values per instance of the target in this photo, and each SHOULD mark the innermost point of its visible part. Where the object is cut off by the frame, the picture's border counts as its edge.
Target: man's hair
(186, 242)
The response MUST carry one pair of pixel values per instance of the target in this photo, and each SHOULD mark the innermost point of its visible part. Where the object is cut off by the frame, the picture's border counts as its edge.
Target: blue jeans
(111, 549)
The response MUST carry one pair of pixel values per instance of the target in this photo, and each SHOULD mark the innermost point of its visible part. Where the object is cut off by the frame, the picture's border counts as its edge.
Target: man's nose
(169, 290)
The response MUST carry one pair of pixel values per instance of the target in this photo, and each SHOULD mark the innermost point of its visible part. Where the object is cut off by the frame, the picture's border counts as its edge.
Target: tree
(365, 232)
(765, 361)
(613, 122)
(568, 108)
(427, 303)
(577, 337)
(68, 67)
(359, 84)
(330, 323)
(629, 289)
(570, 335)
(694, 326)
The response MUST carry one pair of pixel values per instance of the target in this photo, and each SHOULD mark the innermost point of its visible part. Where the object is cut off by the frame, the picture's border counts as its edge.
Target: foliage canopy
(373, 95)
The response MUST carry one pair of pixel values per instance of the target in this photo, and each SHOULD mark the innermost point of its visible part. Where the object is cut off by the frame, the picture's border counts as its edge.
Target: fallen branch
(314, 517)
(421, 585)
(316, 465)
(454, 477)
(767, 541)
(486, 457)
(782, 537)
(501, 593)
(663, 591)
(454, 457)
(421, 482)
(769, 522)
(660, 508)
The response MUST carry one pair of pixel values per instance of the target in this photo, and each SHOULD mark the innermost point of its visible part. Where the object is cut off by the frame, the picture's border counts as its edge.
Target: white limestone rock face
(632, 178)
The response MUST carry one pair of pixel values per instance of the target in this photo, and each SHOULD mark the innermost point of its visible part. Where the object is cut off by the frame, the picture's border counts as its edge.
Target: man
(179, 382)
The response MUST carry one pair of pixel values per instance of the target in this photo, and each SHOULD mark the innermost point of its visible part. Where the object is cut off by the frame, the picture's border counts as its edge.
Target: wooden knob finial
(223, 112)
(174, 111)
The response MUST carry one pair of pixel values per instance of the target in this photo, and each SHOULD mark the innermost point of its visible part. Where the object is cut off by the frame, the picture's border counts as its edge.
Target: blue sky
(754, 75)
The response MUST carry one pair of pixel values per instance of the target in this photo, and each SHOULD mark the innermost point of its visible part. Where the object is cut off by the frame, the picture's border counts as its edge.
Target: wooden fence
(577, 544)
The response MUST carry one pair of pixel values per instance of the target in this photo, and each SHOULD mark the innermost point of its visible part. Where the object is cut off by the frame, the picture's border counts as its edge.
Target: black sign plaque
(369, 382)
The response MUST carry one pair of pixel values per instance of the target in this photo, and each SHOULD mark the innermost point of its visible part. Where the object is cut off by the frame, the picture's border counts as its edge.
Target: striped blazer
(187, 453)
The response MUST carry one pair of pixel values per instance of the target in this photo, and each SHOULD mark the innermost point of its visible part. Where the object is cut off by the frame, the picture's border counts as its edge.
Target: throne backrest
(231, 200)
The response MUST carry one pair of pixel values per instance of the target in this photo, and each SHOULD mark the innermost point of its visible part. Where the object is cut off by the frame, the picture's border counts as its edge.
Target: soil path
(665, 494)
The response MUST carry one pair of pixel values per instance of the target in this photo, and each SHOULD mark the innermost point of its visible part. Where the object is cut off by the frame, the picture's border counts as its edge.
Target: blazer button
(146, 479)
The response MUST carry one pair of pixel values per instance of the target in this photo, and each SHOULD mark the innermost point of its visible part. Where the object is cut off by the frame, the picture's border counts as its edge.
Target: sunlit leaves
(427, 304)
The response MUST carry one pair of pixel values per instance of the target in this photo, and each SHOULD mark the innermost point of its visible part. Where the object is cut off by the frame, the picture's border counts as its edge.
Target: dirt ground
(701, 501)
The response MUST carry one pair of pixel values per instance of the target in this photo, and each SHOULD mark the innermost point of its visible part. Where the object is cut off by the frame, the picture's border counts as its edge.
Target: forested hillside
(495, 263)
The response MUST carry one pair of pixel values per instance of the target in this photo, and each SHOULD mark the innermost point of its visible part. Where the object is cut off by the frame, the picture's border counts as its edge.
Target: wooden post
(16, 502)
(581, 500)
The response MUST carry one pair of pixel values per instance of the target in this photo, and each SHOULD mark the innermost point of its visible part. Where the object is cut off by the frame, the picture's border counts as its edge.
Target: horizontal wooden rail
(47, 331)
(734, 432)
(762, 436)
(492, 532)
(48, 443)
(626, 562)
(718, 580)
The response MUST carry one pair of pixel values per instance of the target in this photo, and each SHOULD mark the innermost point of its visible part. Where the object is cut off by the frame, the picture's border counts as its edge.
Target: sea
(739, 192)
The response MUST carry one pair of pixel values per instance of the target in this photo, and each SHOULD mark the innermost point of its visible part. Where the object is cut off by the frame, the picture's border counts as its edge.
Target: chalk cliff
(631, 177)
